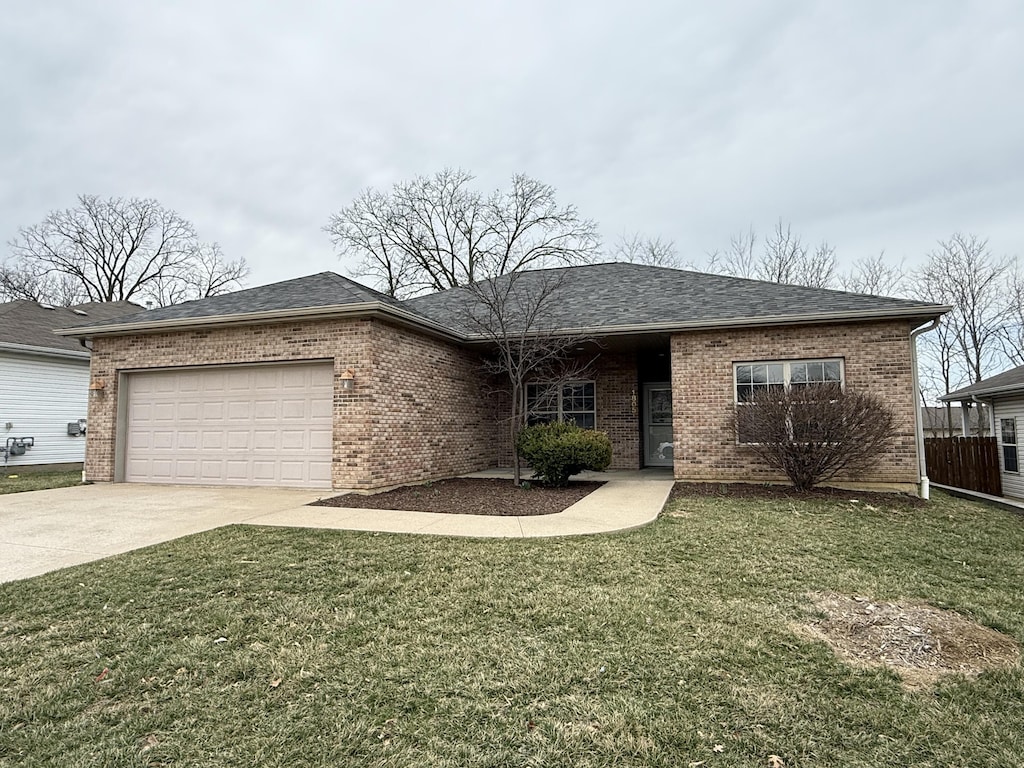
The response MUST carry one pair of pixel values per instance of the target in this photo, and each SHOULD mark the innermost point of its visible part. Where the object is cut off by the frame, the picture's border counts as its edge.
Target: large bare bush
(817, 432)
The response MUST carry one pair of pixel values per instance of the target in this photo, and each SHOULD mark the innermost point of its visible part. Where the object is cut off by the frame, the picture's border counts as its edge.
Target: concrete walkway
(626, 500)
(42, 531)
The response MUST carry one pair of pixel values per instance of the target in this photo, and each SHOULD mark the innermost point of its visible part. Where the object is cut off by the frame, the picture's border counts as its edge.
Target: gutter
(966, 396)
(29, 349)
(922, 464)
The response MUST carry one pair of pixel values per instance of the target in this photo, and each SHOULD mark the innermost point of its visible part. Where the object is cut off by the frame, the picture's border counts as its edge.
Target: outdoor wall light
(348, 380)
(97, 387)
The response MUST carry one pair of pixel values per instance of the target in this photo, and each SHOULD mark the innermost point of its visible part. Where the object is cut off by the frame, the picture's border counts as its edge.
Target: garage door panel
(162, 412)
(322, 377)
(239, 410)
(264, 425)
(320, 473)
(320, 440)
(293, 439)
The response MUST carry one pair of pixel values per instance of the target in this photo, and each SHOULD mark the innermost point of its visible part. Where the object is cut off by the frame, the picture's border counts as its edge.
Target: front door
(657, 425)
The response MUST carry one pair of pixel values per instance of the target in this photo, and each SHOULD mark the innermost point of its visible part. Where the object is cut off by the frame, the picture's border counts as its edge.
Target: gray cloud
(873, 125)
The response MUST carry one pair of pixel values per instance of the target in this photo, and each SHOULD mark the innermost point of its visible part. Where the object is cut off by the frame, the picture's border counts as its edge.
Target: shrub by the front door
(558, 450)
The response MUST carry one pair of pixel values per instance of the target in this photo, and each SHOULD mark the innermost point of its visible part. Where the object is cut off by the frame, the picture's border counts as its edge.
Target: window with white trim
(752, 379)
(1008, 435)
(573, 402)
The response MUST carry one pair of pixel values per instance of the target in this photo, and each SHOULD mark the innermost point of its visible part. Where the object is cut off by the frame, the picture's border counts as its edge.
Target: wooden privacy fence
(964, 462)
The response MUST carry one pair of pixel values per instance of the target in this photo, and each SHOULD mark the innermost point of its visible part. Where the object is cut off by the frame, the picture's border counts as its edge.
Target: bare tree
(815, 433)
(1013, 330)
(963, 272)
(513, 313)
(651, 251)
(117, 249)
(782, 258)
(19, 283)
(739, 259)
(437, 232)
(209, 274)
(875, 275)
(787, 260)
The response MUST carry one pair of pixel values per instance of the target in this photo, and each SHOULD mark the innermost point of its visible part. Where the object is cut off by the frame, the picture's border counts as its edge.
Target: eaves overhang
(817, 318)
(397, 314)
(356, 310)
(963, 395)
(30, 349)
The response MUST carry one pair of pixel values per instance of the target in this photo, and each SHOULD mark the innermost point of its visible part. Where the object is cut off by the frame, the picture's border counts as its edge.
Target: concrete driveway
(41, 531)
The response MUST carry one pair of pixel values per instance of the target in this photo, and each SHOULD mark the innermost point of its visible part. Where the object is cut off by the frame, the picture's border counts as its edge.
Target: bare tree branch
(436, 232)
(651, 251)
(963, 272)
(876, 276)
(783, 258)
(116, 249)
(513, 314)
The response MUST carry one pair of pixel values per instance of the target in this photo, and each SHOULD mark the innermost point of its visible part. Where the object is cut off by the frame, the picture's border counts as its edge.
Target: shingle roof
(325, 289)
(27, 323)
(599, 297)
(629, 295)
(1007, 381)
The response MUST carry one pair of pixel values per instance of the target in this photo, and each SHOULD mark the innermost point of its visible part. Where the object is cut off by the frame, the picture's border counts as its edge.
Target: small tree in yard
(516, 314)
(816, 432)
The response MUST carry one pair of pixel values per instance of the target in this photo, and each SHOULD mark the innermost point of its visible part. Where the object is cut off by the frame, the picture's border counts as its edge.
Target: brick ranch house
(321, 382)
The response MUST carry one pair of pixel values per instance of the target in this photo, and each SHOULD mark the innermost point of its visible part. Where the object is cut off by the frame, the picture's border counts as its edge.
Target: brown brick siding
(415, 412)
(615, 385)
(877, 359)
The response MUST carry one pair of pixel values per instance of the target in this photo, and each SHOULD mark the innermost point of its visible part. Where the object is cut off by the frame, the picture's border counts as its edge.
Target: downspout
(918, 427)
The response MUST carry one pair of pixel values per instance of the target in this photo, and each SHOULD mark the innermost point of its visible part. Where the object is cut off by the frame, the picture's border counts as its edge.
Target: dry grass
(12, 481)
(666, 646)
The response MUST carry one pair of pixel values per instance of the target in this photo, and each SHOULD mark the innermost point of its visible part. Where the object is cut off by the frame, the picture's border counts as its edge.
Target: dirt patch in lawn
(470, 496)
(763, 491)
(919, 642)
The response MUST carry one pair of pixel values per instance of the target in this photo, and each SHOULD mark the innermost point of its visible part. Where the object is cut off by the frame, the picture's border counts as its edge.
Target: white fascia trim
(29, 349)
(362, 309)
(1019, 387)
(744, 322)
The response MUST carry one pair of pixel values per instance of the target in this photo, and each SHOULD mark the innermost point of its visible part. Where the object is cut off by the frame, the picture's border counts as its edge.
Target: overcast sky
(872, 124)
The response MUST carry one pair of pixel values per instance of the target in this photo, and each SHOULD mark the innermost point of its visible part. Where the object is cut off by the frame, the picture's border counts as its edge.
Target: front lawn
(13, 481)
(672, 645)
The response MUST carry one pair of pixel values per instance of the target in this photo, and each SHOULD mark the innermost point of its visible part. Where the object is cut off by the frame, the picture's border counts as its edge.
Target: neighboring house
(1004, 394)
(941, 421)
(44, 382)
(321, 382)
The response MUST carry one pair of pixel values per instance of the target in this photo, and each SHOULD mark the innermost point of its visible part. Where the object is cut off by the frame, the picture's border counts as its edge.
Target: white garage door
(259, 425)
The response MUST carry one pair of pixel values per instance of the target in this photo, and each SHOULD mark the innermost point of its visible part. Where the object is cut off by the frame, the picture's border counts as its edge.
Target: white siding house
(44, 382)
(1008, 414)
(40, 394)
(1004, 393)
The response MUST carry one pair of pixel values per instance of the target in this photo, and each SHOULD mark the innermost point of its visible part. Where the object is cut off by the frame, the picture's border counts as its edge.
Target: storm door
(657, 425)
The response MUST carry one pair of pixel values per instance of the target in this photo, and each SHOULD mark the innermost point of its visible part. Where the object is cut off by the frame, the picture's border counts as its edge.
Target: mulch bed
(787, 492)
(470, 496)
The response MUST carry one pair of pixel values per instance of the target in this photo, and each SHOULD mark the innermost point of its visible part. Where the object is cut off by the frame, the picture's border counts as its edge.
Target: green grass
(648, 648)
(13, 481)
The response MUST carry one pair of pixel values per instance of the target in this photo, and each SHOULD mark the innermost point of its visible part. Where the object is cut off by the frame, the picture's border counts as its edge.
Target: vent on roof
(81, 312)
(46, 306)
